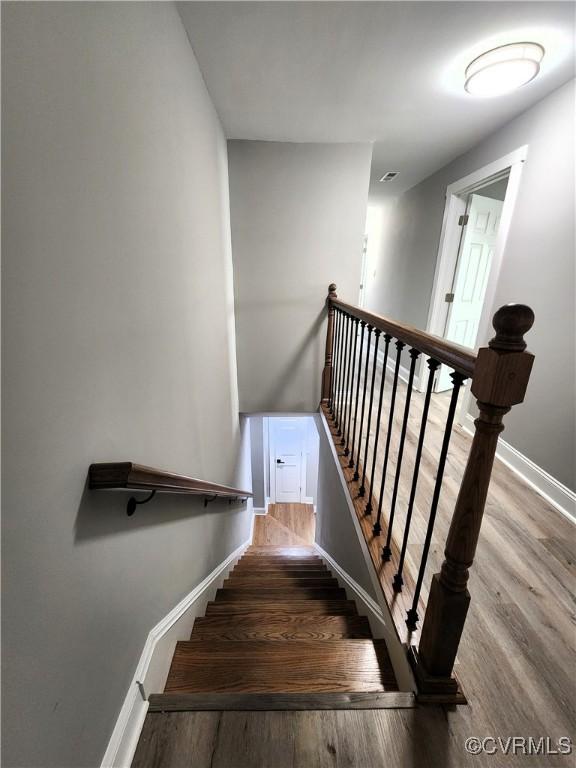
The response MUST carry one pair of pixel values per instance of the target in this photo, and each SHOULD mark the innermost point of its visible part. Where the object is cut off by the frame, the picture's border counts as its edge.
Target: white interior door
(287, 448)
(471, 276)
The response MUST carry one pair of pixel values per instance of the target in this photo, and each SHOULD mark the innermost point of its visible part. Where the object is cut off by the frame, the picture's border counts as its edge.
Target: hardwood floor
(280, 666)
(290, 525)
(517, 661)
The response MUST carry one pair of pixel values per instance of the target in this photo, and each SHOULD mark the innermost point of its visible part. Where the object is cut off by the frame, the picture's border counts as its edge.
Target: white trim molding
(154, 663)
(448, 246)
(360, 595)
(553, 491)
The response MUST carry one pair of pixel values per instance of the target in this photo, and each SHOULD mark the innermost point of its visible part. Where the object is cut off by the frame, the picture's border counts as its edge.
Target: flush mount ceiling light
(503, 69)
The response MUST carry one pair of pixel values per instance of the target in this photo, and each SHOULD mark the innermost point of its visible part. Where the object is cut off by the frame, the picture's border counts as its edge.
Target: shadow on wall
(103, 513)
(288, 374)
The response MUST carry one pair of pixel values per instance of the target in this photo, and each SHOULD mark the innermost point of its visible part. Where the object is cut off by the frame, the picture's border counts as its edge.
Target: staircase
(281, 634)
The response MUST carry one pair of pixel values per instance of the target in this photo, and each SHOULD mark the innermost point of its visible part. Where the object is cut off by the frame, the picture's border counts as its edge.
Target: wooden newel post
(327, 372)
(500, 379)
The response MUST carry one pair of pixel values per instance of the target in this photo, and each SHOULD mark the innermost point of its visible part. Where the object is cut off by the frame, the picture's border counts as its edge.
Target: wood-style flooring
(288, 525)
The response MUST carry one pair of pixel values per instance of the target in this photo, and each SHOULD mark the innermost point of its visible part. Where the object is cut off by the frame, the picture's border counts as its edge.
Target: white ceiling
(385, 72)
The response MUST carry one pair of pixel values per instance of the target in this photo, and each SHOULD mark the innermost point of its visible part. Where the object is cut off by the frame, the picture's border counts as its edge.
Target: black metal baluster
(362, 325)
(356, 473)
(343, 371)
(387, 551)
(458, 379)
(347, 381)
(377, 529)
(333, 369)
(336, 364)
(349, 420)
(433, 366)
(362, 489)
(387, 340)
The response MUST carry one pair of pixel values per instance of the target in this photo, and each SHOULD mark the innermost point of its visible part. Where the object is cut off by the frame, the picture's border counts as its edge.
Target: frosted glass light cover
(503, 69)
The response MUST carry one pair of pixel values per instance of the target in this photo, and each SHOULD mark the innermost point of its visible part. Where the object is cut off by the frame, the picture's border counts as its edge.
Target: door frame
(448, 247)
(272, 458)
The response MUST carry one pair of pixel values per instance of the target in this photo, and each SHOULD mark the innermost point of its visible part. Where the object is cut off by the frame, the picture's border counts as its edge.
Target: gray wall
(312, 451)
(118, 344)
(335, 531)
(496, 191)
(537, 269)
(298, 213)
(257, 453)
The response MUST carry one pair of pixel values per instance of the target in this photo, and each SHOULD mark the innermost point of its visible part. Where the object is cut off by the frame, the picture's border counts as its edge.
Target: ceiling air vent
(389, 175)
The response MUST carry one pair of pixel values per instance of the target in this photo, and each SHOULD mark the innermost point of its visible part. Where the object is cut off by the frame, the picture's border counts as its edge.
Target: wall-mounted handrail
(499, 375)
(126, 475)
(457, 357)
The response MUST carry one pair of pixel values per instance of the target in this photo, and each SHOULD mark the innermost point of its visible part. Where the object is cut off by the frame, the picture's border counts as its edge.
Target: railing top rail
(457, 357)
(126, 475)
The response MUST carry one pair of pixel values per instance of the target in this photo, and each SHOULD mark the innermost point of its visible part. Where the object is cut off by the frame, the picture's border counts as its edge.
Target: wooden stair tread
(298, 666)
(281, 549)
(278, 628)
(239, 582)
(182, 702)
(257, 562)
(257, 595)
(282, 553)
(292, 607)
(288, 568)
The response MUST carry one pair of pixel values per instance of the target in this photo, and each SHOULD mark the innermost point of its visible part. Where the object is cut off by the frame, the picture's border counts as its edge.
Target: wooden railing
(125, 475)
(354, 406)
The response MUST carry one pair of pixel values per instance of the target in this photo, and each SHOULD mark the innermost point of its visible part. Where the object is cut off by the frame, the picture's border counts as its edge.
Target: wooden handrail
(499, 376)
(457, 357)
(126, 475)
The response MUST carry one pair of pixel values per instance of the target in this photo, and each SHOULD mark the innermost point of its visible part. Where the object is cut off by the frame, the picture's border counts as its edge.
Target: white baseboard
(154, 663)
(359, 594)
(376, 619)
(260, 510)
(555, 493)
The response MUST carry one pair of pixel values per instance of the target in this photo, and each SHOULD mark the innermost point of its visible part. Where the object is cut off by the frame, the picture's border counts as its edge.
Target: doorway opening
(479, 227)
(474, 231)
(285, 455)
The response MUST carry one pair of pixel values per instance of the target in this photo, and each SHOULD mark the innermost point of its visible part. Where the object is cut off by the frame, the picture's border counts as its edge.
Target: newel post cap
(503, 368)
(332, 291)
(511, 322)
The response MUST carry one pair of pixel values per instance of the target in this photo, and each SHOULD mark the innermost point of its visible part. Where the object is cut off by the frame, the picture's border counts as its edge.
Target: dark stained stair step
(258, 562)
(267, 550)
(257, 595)
(299, 666)
(287, 607)
(183, 702)
(278, 582)
(280, 628)
(280, 568)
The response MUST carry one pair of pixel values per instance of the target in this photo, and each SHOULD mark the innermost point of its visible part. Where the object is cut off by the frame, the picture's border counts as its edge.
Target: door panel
(287, 445)
(471, 277)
